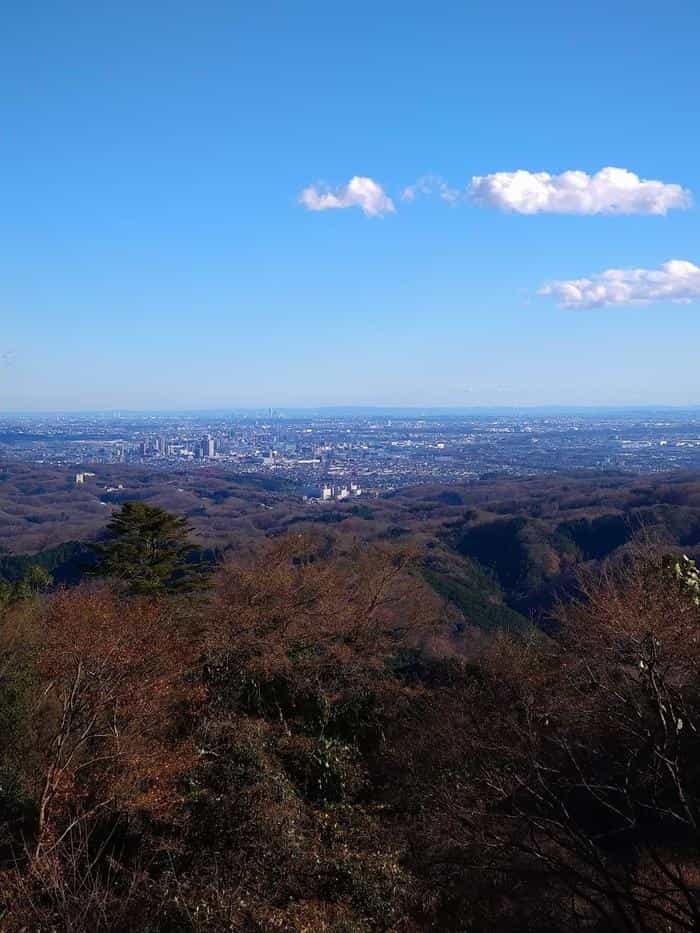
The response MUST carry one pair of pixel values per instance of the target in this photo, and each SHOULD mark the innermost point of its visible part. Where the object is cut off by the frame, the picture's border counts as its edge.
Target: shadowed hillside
(499, 551)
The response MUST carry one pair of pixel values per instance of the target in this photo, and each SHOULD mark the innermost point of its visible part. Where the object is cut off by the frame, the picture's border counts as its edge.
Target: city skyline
(361, 452)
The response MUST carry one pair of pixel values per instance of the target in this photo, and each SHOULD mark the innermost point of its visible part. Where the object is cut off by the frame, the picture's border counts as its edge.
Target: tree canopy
(149, 549)
(322, 745)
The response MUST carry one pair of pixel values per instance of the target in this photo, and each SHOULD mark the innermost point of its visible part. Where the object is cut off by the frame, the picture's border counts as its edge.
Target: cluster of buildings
(161, 447)
(328, 493)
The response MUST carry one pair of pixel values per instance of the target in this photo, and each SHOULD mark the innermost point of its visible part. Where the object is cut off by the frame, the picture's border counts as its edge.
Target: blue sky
(154, 253)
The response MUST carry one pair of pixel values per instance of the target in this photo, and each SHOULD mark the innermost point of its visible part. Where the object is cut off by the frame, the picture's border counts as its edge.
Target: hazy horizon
(283, 411)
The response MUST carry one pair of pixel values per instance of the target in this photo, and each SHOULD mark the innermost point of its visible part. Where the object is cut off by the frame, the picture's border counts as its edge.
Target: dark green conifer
(149, 549)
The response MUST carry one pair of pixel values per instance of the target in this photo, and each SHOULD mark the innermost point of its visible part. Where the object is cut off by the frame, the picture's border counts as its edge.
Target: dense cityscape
(340, 454)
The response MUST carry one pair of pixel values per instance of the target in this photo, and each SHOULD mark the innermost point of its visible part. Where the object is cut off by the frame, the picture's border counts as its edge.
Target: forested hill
(329, 730)
(499, 551)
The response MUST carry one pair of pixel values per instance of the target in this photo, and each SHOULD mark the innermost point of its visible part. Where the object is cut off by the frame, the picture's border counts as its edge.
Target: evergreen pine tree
(148, 549)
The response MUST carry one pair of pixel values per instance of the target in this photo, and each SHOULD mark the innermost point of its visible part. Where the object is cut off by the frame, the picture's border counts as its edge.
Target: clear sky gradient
(154, 253)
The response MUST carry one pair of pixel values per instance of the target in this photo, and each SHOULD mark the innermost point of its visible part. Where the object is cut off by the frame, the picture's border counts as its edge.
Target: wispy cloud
(7, 357)
(676, 280)
(360, 191)
(429, 185)
(609, 191)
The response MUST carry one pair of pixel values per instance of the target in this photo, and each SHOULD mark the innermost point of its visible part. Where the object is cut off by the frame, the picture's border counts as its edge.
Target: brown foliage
(567, 788)
(292, 610)
(302, 685)
(111, 677)
(110, 747)
(343, 774)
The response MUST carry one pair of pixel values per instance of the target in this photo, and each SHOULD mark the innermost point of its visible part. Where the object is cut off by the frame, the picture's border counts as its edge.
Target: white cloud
(431, 184)
(609, 191)
(676, 280)
(360, 192)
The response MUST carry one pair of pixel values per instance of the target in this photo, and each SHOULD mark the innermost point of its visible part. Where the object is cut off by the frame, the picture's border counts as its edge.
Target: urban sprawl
(329, 456)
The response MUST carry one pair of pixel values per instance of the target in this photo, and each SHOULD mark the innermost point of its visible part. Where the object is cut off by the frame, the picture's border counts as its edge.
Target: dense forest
(467, 708)
(501, 551)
